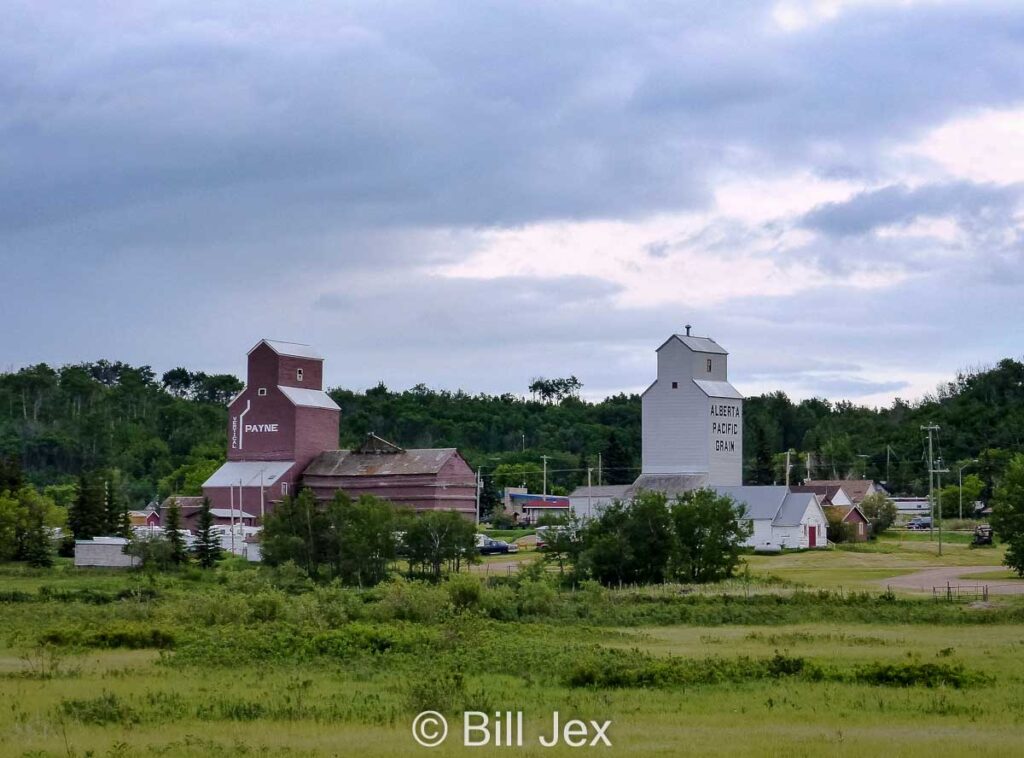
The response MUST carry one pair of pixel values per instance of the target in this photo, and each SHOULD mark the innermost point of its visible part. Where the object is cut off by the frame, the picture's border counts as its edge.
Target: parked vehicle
(488, 546)
(982, 535)
(920, 523)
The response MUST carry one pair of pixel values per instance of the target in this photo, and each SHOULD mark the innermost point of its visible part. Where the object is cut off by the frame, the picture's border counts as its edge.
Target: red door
(812, 536)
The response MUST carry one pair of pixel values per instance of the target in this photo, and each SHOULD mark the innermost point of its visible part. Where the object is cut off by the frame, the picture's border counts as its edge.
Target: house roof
(762, 502)
(825, 491)
(350, 463)
(718, 389)
(308, 398)
(292, 349)
(248, 473)
(856, 489)
(844, 512)
(794, 506)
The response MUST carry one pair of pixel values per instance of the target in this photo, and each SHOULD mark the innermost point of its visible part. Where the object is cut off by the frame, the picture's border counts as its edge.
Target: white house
(781, 518)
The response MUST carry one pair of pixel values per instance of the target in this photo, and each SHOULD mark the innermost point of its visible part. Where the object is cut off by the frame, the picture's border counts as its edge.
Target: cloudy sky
(470, 194)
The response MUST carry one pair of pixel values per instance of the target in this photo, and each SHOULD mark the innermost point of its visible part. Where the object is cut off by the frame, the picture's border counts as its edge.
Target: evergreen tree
(618, 465)
(172, 528)
(208, 548)
(11, 477)
(87, 517)
(1008, 513)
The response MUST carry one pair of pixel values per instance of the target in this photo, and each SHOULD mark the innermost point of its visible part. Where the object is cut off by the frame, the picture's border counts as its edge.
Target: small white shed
(108, 552)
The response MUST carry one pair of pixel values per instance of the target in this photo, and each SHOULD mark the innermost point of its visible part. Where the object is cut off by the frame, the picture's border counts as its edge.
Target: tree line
(151, 436)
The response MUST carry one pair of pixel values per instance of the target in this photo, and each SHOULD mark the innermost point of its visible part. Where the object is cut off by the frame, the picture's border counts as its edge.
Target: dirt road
(924, 581)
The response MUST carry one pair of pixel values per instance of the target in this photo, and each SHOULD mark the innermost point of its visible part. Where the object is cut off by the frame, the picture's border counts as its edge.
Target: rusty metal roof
(347, 463)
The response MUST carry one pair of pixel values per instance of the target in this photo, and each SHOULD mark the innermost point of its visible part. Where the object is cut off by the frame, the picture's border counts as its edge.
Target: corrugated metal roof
(308, 398)
(605, 490)
(718, 389)
(347, 463)
(701, 344)
(248, 473)
(228, 513)
(293, 349)
(671, 484)
(793, 508)
(762, 502)
(183, 501)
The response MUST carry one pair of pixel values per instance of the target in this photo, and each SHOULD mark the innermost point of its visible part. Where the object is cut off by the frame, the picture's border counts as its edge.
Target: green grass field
(245, 662)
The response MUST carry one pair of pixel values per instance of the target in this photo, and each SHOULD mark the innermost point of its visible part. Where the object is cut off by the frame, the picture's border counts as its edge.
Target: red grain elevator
(280, 422)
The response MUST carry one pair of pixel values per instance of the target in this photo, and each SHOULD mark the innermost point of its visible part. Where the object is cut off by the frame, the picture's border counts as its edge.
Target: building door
(812, 536)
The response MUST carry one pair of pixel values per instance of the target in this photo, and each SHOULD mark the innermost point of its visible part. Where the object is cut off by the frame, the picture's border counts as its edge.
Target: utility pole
(961, 473)
(864, 462)
(263, 508)
(524, 442)
(931, 477)
(938, 475)
(809, 474)
(479, 486)
(590, 500)
(545, 459)
(600, 478)
(788, 466)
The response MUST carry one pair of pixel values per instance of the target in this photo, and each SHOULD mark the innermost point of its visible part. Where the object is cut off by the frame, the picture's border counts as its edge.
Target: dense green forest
(156, 435)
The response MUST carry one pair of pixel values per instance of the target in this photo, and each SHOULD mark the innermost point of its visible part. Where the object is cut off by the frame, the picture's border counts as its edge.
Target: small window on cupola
(262, 392)
(298, 374)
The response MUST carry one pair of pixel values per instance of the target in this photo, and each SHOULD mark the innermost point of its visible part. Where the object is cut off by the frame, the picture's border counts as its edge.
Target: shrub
(104, 709)
(411, 601)
(464, 591)
(437, 691)
(500, 603)
(920, 674)
(267, 606)
(537, 598)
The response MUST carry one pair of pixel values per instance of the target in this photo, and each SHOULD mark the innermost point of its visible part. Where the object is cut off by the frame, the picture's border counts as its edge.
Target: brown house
(860, 527)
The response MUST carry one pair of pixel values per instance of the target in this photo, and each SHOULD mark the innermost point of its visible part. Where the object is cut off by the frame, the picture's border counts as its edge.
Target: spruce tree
(208, 548)
(173, 530)
(87, 517)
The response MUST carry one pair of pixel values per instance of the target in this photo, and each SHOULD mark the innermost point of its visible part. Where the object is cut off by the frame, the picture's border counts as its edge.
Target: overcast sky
(469, 194)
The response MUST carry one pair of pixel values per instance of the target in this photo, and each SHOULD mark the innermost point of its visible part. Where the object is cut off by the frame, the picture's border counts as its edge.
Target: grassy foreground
(250, 662)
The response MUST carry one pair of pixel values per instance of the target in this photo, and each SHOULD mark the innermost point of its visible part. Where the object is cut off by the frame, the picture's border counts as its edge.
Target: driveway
(924, 581)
